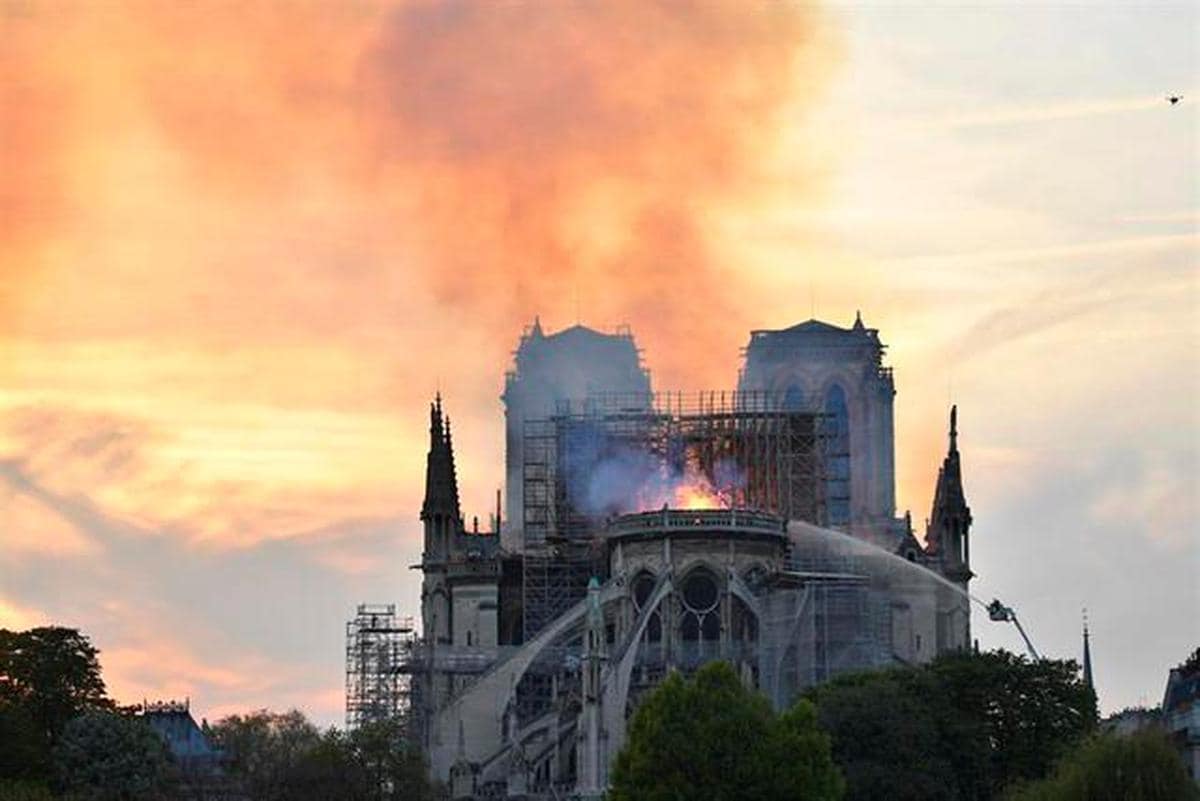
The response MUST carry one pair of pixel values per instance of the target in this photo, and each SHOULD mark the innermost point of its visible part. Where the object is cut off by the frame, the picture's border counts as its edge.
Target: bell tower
(443, 520)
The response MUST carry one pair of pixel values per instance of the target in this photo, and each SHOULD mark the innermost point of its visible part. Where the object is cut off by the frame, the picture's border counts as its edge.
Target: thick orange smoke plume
(505, 159)
(578, 155)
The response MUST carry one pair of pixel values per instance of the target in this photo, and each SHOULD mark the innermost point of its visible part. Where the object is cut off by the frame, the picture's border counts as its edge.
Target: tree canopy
(1141, 767)
(283, 757)
(48, 676)
(711, 739)
(265, 749)
(102, 756)
(963, 727)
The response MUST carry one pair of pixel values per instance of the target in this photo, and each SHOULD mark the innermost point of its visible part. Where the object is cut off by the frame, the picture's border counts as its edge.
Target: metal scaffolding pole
(378, 659)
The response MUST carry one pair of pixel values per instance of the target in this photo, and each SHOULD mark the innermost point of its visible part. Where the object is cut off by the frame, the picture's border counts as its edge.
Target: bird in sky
(1173, 99)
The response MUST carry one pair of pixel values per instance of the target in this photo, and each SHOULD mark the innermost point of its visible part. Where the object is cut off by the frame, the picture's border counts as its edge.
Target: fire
(690, 489)
(697, 495)
(694, 497)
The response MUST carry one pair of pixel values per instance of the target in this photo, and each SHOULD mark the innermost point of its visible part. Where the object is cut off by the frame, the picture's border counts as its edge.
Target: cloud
(16, 617)
(232, 629)
(1072, 251)
(31, 527)
(222, 485)
(1048, 112)
(1152, 493)
(1120, 282)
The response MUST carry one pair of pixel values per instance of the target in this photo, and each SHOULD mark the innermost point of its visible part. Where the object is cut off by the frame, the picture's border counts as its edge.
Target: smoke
(247, 166)
(620, 479)
(575, 157)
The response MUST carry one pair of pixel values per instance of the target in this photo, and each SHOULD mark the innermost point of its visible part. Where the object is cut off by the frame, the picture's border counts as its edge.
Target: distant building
(1181, 712)
(190, 747)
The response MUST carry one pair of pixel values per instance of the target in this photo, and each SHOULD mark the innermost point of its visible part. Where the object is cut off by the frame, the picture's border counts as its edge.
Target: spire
(950, 518)
(858, 323)
(1087, 656)
(954, 429)
(536, 331)
(441, 482)
(435, 418)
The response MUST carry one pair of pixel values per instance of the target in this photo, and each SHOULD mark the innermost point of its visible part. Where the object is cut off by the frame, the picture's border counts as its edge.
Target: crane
(1005, 614)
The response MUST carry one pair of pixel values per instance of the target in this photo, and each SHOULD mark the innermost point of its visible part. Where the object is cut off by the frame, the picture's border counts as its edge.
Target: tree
(888, 736)
(102, 756)
(711, 739)
(1023, 714)
(963, 727)
(48, 676)
(265, 749)
(24, 753)
(284, 757)
(24, 790)
(1141, 767)
(326, 769)
(392, 766)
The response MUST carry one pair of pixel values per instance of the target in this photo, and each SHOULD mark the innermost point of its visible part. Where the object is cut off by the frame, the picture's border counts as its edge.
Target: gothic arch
(641, 593)
(699, 595)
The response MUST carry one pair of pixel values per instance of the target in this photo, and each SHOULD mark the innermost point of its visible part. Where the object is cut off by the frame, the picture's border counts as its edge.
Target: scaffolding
(379, 649)
(753, 451)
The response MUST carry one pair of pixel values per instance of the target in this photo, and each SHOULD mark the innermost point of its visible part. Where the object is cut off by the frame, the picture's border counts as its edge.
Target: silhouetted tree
(284, 757)
(48, 676)
(24, 752)
(1141, 767)
(963, 727)
(24, 790)
(1021, 714)
(890, 736)
(265, 750)
(711, 739)
(393, 767)
(102, 756)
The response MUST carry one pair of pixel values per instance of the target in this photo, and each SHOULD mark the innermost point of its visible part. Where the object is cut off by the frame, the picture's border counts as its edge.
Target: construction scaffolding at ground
(379, 655)
(751, 451)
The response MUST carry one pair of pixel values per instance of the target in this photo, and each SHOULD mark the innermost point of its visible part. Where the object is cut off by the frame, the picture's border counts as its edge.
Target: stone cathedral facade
(643, 535)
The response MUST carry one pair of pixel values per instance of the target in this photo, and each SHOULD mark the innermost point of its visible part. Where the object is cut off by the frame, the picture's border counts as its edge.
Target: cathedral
(647, 532)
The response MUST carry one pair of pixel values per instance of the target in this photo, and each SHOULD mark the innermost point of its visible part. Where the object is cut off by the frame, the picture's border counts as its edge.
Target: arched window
(837, 457)
(700, 619)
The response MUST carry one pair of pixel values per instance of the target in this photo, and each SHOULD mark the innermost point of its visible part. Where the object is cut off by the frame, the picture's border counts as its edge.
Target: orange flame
(696, 496)
(693, 490)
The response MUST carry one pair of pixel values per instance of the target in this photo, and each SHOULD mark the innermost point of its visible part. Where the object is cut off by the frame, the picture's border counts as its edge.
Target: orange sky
(242, 243)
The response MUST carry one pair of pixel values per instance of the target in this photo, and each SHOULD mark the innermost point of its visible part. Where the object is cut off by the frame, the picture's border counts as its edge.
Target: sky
(243, 244)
